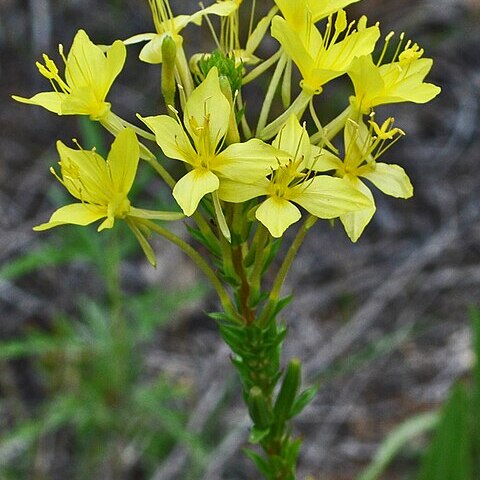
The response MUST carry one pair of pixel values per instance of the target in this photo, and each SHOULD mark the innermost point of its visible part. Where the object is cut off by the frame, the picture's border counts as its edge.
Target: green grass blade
(475, 318)
(396, 440)
(449, 456)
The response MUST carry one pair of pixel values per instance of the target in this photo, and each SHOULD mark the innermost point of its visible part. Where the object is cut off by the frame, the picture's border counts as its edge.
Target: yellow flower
(323, 58)
(89, 75)
(363, 146)
(206, 119)
(398, 81)
(102, 188)
(294, 181)
(168, 25)
(302, 11)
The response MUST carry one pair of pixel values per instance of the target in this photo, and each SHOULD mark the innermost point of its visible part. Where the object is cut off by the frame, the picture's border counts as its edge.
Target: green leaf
(37, 343)
(261, 464)
(281, 304)
(449, 456)
(258, 434)
(292, 452)
(303, 400)
(396, 440)
(288, 390)
(271, 253)
(45, 256)
(233, 336)
(219, 317)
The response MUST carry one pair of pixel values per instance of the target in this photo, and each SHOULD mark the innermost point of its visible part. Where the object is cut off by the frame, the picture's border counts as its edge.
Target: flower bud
(233, 135)
(288, 391)
(259, 410)
(169, 55)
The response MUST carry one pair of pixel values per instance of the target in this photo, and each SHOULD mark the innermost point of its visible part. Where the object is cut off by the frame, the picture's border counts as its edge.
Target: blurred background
(110, 369)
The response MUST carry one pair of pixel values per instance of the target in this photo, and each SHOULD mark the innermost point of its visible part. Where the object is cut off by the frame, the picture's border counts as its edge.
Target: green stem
(139, 131)
(200, 262)
(285, 267)
(259, 241)
(272, 88)
(332, 129)
(264, 66)
(162, 172)
(205, 228)
(247, 131)
(184, 71)
(296, 108)
(170, 181)
(114, 124)
(244, 288)
(112, 276)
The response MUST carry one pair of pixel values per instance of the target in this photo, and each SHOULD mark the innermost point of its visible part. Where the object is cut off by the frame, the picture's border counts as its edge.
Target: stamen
(385, 46)
(399, 46)
(252, 16)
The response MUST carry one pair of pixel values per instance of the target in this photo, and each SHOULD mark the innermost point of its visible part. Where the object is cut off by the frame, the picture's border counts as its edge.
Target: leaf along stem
(201, 263)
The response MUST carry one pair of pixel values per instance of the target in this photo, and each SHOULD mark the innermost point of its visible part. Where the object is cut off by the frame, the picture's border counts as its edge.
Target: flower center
(203, 141)
(118, 206)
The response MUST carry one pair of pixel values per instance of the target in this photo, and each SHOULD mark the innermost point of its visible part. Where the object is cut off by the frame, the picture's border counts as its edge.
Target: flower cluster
(247, 174)
(278, 168)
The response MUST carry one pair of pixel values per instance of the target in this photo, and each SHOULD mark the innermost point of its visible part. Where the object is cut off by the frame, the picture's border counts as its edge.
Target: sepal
(288, 391)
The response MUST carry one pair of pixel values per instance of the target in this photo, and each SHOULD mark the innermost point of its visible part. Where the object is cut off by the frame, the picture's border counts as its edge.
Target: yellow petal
(107, 223)
(355, 222)
(295, 13)
(277, 214)
(322, 9)
(123, 160)
(366, 80)
(76, 214)
(116, 56)
(86, 66)
(192, 187)
(326, 161)
(390, 179)
(328, 197)
(82, 101)
(222, 9)
(171, 138)
(294, 140)
(152, 51)
(247, 162)
(406, 83)
(239, 192)
(208, 105)
(52, 101)
(141, 37)
(340, 55)
(85, 175)
(293, 45)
